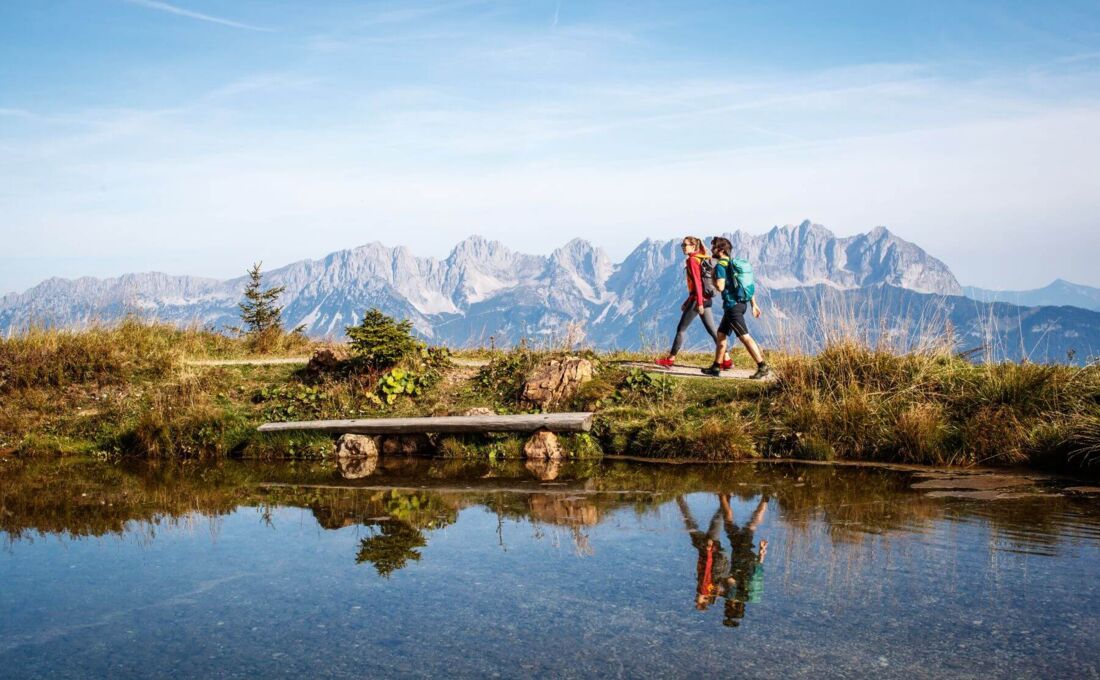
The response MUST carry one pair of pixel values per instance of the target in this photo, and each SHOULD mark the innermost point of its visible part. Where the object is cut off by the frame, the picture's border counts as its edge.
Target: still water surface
(473, 570)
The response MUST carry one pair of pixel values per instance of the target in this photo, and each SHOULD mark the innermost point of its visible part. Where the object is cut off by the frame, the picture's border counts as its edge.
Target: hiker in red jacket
(701, 290)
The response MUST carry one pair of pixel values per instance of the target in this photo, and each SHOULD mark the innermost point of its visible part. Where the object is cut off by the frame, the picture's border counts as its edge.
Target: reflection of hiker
(713, 566)
(733, 277)
(746, 564)
(701, 291)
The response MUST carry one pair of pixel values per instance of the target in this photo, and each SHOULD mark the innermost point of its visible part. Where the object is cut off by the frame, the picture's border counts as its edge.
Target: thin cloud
(407, 14)
(173, 9)
(16, 113)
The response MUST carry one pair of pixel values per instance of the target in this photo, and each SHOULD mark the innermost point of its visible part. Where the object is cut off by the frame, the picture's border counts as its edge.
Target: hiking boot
(714, 369)
(762, 371)
(666, 363)
(727, 364)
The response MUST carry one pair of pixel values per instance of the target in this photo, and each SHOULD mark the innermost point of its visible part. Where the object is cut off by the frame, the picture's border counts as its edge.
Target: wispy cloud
(173, 9)
(406, 14)
(16, 113)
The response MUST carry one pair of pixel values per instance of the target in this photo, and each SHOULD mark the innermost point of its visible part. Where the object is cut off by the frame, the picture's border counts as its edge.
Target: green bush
(641, 383)
(380, 342)
(503, 377)
(399, 381)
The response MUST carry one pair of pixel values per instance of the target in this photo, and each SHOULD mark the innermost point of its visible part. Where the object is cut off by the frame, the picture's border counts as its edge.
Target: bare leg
(708, 322)
(720, 348)
(689, 520)
(758, 514)
(754, 349)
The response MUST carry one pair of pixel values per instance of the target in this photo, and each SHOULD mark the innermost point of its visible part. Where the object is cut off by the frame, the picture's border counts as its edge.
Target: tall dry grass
(854, 401)
(101, 354)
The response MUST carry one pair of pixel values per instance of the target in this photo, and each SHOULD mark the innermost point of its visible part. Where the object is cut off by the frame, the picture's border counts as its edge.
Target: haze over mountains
(811, 281)
(1059, 292)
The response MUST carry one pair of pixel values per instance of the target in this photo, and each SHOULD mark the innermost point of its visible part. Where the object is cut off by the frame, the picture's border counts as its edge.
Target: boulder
(543, 445)
(326, 360)
(356, 446)
(557, 380)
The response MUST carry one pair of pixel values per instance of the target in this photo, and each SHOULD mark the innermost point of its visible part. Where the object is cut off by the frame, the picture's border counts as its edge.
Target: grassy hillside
(130, 391)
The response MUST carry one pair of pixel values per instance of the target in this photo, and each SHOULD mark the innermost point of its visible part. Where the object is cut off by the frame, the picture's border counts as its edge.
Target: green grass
(126, 391)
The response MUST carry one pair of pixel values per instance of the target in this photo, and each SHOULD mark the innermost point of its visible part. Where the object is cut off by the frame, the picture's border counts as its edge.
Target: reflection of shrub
(379, 342)
(390, 546)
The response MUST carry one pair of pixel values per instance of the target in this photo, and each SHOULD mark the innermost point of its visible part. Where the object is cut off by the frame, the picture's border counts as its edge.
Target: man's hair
(721, 244)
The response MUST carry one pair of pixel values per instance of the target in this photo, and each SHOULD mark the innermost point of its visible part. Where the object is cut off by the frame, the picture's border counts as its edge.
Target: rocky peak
(580, 266)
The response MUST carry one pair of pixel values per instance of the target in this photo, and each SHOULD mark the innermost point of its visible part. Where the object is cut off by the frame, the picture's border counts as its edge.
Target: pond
(611, 568)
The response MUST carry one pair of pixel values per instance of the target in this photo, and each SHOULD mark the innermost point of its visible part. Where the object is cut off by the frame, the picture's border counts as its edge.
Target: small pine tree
(379, 341)
(259, 312)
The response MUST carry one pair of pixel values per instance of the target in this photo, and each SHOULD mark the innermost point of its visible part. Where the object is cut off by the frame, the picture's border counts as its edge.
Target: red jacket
(695, 279)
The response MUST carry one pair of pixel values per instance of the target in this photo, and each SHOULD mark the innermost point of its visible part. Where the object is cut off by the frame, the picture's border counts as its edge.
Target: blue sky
(196, 136)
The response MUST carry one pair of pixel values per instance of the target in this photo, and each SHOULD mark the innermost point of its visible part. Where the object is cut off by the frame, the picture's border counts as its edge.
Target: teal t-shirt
(756, 584)
(729, 299)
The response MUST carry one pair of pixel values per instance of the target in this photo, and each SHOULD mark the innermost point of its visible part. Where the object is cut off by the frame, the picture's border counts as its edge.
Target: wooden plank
(554, 422)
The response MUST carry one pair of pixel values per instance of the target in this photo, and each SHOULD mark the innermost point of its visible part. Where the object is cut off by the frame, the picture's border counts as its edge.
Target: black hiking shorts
(733, 321)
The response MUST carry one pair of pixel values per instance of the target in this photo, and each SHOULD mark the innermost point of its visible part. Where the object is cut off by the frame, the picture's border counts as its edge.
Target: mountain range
(1058, 293)
(812, 284)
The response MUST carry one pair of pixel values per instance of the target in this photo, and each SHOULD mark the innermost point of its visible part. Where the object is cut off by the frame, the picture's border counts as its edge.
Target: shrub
(639, 383)
(380, 342)
(502, 379)
(398, 382)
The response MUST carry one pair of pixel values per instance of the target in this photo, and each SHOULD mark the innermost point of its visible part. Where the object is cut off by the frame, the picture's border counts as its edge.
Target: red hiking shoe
(727, 364)
(666, 362)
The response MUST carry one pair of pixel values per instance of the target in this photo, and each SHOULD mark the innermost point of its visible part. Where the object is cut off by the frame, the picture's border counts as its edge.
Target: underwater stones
(356, 446)
(556, 381)
(543, 445)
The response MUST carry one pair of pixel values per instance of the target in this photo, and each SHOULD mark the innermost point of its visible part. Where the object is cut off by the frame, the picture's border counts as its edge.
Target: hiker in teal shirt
(746, 574)
(736, 299)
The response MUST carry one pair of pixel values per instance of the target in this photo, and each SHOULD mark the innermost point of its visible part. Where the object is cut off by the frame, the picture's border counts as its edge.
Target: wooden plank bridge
(552, 422)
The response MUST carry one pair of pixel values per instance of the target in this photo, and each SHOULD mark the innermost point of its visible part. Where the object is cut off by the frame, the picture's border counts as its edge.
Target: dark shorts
(733, 321)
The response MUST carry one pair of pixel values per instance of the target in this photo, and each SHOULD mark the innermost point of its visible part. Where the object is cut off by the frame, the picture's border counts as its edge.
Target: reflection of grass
(78, 497)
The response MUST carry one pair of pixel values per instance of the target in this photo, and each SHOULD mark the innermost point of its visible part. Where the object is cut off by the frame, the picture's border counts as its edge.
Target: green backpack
(739, 278)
